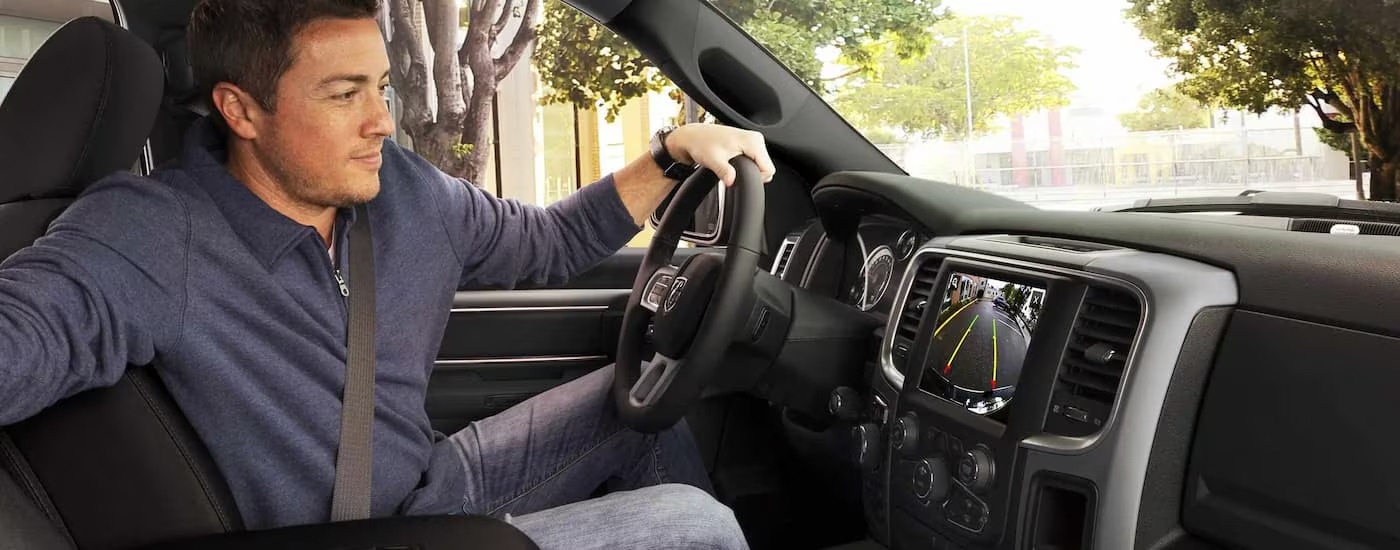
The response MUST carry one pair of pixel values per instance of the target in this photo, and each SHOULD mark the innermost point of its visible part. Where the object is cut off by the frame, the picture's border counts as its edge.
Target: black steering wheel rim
(655, 398)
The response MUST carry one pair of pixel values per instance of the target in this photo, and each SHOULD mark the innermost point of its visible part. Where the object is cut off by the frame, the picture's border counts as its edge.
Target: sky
(1116, 66)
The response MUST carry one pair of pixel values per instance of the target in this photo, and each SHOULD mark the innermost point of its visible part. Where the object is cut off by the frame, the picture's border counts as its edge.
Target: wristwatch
(669, 167)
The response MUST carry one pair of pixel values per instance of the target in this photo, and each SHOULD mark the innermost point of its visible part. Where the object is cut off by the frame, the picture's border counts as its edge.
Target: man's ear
(239, 110)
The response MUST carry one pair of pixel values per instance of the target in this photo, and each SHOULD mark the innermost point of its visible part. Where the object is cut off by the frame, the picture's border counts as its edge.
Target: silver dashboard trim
(449, 363)
(503, 309)
(789, 245)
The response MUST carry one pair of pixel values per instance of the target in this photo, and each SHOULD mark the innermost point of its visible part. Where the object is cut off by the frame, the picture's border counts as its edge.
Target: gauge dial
(904, 247)
(874, 279)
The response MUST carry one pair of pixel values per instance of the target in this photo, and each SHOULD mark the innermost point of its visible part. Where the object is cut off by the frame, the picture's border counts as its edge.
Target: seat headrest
(79, 110)
(179, 75)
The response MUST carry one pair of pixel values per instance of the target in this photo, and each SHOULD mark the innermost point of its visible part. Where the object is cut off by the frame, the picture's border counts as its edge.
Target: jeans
(537, 464)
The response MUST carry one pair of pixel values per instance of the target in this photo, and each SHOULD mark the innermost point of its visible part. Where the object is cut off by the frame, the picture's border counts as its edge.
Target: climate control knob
(930, 483)
(844, 403)
(976, 469)
(905, 437)
(867, 443)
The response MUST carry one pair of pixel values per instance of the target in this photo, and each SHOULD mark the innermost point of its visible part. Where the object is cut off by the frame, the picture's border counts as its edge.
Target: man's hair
(248, 43)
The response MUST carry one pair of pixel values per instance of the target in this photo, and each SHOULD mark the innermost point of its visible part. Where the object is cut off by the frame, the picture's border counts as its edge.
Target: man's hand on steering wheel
(711, 146)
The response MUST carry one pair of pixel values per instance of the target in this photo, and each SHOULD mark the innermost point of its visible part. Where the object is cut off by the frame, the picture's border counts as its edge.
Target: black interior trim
(391, 533)
(1159, 512)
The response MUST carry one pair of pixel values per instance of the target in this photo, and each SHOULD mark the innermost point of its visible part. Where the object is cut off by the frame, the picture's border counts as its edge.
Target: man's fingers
(758, 151)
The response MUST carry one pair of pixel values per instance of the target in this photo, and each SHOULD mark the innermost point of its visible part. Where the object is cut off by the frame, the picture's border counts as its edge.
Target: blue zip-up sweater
(238, 308)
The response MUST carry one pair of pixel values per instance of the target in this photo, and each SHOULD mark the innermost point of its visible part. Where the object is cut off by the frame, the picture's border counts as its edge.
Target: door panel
(501, 347)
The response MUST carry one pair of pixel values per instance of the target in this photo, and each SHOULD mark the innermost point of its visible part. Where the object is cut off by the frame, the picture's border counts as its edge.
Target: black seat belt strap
(354, 458)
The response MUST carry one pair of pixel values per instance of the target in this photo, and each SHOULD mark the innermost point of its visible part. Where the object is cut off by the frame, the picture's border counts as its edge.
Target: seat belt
(354, 458)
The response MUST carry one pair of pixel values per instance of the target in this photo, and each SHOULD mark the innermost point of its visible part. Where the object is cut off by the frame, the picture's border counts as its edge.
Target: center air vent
(1094, 360)
(918, 301)
(920, 295)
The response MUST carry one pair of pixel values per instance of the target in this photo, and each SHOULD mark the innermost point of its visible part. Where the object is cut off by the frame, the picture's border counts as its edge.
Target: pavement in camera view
(979, 348)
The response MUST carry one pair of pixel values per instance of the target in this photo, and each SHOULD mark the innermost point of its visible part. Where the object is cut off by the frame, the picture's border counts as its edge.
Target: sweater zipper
(344, 290)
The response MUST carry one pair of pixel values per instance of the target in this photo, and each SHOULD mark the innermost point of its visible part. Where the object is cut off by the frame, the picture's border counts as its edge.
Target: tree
(1011, 71)
(584, 63)
(1259, 54)
(1166, 109)
(452, 131)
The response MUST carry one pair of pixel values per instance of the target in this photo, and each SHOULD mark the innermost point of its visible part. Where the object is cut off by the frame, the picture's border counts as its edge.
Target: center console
(995, 416)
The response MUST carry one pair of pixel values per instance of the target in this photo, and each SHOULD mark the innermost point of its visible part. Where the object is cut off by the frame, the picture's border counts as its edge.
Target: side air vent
(780, 264)
(1094, 360)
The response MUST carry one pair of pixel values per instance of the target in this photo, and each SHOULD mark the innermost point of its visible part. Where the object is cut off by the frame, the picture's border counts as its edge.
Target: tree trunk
(1378, 119)
(475, 56)
(1385, 178)
(455, 133)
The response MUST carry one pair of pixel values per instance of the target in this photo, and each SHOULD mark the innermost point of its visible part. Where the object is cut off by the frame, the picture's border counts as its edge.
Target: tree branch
(851, 72)
(409, 71)
(1327, 123)
(502, 19)
(441, 21)
(524, 37)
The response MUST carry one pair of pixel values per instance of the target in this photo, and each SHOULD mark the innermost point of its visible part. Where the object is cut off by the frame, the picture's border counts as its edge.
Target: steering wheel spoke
(657, 286)
(656, 377)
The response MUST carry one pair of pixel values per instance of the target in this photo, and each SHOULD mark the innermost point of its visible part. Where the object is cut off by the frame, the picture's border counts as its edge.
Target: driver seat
(120, 467)
(117, 467)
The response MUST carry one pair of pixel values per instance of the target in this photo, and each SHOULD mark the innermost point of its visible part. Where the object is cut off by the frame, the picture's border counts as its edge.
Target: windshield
(1073, 104)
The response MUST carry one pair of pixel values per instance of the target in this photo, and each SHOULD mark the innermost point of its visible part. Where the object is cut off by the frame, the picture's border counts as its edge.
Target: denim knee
(684, 516)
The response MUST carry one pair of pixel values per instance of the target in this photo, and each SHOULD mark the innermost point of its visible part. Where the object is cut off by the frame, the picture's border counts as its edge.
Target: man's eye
(383, 90)
(347, 95)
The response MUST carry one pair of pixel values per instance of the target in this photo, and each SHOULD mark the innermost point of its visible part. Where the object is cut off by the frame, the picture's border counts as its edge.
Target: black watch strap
(669, 167)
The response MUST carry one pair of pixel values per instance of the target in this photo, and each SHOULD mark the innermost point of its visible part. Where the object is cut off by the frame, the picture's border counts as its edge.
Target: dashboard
(1091, 380)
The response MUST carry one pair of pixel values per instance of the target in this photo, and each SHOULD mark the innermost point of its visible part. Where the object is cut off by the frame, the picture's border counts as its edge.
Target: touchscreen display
(979, 340)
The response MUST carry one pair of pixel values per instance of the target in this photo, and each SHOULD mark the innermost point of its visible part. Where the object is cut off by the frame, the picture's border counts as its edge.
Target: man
(225, 272)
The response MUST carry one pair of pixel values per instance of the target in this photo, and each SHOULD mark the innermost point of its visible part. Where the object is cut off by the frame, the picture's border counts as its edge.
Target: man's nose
(381, 120)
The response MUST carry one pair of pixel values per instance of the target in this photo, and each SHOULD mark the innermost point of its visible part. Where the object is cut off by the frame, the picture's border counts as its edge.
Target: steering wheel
(696, 308)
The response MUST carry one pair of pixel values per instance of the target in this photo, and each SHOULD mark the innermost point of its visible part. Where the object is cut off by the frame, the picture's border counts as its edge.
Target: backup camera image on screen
(983, 329)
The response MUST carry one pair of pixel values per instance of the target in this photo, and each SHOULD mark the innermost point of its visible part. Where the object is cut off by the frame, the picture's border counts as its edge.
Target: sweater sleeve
(104, 288)
(502, 242)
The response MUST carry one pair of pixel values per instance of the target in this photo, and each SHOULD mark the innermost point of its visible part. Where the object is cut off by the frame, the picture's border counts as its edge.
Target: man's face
(323, 140)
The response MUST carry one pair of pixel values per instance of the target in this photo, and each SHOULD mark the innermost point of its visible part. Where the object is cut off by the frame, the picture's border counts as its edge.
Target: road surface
(979, 348)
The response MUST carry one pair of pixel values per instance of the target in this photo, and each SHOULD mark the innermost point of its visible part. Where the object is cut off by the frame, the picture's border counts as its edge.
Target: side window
(558, 102)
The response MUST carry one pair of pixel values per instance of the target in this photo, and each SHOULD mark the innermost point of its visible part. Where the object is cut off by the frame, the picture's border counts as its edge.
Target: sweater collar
(269, 234)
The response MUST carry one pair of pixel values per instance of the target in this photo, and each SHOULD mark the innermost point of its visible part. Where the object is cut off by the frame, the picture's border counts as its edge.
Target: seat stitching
(26, 477)
(219, 511)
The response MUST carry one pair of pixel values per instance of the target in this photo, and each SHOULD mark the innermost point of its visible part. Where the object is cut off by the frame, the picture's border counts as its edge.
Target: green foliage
(1012, 71)
(586, 64)
(1166, 109)
(463, 150)
(1261, 54)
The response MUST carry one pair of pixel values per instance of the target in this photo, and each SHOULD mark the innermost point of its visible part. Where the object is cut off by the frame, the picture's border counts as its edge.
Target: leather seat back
(117, 467)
